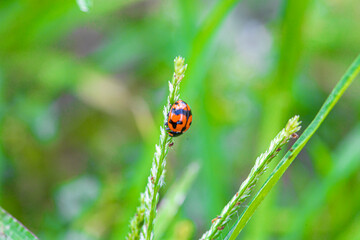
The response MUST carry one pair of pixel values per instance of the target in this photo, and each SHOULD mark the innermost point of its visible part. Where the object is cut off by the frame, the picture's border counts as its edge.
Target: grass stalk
(137, 221)
(150, 198)
(259, 168)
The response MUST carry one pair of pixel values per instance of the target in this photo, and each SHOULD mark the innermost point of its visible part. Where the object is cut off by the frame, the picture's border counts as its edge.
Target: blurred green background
(81, 98)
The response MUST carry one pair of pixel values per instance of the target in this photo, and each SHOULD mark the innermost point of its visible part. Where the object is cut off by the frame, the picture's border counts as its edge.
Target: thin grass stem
(219, 223)
(146, 212)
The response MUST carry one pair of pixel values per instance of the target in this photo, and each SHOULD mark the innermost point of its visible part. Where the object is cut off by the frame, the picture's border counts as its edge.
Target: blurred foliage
(81, 96)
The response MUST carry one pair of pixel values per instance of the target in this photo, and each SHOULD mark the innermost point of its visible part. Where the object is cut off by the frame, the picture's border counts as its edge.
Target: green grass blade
(10, 228)
(352, 231)
(213, 22)
(333, 98)
(199, 50)
(200, 55)
(173, 199)
(346, 163)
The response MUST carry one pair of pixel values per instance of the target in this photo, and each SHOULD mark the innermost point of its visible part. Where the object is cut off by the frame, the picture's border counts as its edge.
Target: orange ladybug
(179, 118)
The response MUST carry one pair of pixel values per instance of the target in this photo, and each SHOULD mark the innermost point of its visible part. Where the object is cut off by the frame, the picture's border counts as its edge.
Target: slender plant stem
(146, 212)
(260, 166)
(330, 102)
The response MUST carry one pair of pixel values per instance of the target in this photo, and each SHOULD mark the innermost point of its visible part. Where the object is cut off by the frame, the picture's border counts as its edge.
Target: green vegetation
(298, 146)
(82, 89)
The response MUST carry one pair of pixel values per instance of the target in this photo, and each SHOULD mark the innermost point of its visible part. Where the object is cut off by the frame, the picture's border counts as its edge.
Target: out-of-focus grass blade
(330, 102)
(347, 161)
(201, 42)
(84, 5)
(199, 56)
(174, 199)
(321, 156)
(352, 231)
(10, 228)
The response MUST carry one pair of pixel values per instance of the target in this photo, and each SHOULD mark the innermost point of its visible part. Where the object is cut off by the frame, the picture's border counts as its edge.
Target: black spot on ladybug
(183, 129)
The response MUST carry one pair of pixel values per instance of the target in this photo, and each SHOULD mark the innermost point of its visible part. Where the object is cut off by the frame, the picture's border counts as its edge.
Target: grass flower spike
(137, 221)
(150, 197)
(260, 166)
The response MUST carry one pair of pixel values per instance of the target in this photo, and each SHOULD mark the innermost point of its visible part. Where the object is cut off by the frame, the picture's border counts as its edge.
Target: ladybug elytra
(179, 118)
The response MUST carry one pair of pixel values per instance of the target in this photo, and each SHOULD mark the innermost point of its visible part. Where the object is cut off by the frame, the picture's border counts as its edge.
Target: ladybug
(179, 118)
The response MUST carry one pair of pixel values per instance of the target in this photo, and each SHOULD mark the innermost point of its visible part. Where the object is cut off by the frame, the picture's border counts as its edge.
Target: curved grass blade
(10, 228)
(330, 102)
(346, 163)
